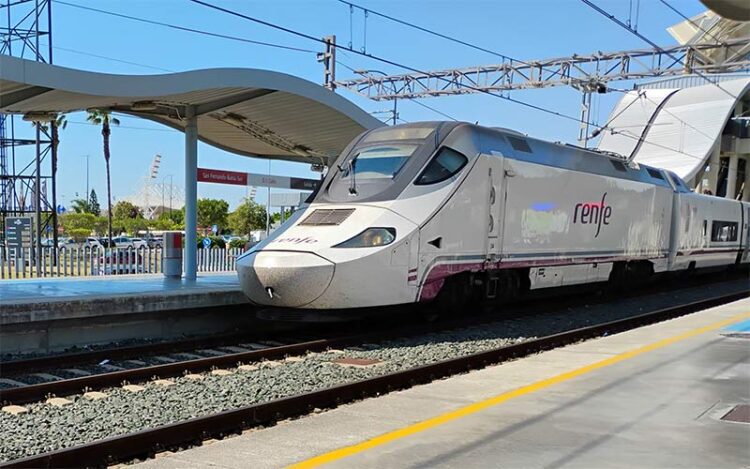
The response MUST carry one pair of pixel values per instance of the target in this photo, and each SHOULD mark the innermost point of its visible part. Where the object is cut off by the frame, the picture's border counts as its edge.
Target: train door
(745, 233)
(495, 206)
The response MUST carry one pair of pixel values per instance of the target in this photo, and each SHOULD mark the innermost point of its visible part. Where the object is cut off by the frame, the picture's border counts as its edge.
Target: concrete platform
(652, 397)
(42, 304)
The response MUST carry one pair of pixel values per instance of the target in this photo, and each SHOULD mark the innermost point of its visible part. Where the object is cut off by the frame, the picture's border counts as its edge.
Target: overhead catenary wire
(617, 21)
(396, 64)
(350, 49)
(187, 29)
(441, 35)
(386, 61)
(111, 59)
(628, 134)
(437, 111)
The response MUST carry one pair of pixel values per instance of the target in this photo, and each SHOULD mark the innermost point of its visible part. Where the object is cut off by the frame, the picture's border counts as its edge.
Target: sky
(523, 29)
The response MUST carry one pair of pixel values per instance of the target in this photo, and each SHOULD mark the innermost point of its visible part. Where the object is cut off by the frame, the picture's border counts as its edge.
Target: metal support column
(583, 133)
(732, 177)
(37, 203)
(746, 187)
(714, 164)
(191, 194)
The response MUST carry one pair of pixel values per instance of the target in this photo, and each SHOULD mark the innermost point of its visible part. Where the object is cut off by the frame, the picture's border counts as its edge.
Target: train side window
(654, 174)
(443, 166)
(519, 144)
(705, 228)
(723, 231)
(677, 180)
(619, 166)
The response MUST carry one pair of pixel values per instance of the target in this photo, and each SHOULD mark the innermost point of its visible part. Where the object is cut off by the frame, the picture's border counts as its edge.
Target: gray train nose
(280, 278)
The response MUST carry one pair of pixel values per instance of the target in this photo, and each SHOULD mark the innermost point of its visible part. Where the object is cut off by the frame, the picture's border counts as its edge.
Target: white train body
(408, 208)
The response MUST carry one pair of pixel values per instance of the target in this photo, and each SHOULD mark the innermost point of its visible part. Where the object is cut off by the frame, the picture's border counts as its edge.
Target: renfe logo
(597, 213)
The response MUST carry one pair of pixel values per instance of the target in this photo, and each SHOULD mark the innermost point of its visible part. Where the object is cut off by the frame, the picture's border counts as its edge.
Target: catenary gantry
(250, 112)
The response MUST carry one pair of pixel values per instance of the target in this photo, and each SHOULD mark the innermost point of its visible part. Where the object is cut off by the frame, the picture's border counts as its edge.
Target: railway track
(112, 367)
(146, 442)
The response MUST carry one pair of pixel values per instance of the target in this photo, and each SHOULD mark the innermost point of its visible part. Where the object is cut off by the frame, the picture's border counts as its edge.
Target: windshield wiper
(352, 172)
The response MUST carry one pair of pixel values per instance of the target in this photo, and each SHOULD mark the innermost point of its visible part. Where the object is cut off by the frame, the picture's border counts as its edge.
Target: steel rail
(336, 338)
(148, 442)
(35, 392)
(67, 360)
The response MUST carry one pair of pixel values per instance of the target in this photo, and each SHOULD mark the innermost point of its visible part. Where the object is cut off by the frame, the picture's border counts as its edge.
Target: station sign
(17, 233)
(259, 180)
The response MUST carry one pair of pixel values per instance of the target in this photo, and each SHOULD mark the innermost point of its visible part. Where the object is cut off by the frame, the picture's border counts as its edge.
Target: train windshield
(380, 163)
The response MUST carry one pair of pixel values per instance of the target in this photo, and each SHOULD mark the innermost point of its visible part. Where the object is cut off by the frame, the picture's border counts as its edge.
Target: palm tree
(104, 118)
(80, 206)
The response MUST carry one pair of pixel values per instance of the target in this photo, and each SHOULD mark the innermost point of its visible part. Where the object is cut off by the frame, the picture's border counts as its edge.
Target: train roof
(513, 144)
(516, 145)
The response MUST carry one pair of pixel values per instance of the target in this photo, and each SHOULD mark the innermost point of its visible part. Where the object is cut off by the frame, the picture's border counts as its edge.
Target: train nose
(289, 279)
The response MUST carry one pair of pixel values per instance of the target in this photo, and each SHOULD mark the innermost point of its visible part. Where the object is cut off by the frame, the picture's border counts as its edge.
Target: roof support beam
(230, 101)
(9, 99)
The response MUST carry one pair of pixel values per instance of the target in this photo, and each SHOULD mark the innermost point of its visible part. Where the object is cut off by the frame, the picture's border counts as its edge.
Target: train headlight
(370, 238)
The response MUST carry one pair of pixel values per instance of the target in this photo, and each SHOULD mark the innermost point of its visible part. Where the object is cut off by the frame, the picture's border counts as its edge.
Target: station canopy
(674, 125)
(250, 112)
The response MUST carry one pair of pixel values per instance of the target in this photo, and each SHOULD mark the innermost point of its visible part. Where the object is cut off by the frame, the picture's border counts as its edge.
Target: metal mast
(584, 71)
(26, 32)
(588, 73)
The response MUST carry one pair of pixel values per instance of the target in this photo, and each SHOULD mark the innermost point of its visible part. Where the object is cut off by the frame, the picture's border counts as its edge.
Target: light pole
(268, 203)
(87, 176)
(163, 186)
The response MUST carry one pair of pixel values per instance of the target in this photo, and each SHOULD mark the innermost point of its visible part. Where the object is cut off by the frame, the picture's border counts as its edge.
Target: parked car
(66, 243)
(117, 261)
(93, 243)
(122, 242)
(48, 242)
(139, 243)
(153, 241)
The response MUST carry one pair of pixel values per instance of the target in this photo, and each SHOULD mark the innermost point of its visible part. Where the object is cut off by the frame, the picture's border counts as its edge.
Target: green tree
(248, 216)
(78, 221)
(94, 203)
(100, 226)
(80, 206)
(276, 217)
(134, 225)
(212, 212)
(124, 210)
(78, 234)
(177, 217)
(164, 224)
(104, 118)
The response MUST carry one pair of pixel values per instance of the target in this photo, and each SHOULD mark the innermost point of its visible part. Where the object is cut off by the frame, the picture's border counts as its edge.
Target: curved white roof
(245, 111)
(672, 129)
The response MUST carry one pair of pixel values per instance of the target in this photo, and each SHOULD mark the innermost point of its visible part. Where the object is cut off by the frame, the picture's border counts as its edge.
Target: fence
(86, 261)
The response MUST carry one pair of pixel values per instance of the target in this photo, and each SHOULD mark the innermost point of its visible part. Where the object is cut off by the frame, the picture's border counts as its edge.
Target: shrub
(216, 242)
(237, 243)
(79, 234)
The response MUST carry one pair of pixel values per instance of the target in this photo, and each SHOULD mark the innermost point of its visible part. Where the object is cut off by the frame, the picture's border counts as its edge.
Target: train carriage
(453, 211)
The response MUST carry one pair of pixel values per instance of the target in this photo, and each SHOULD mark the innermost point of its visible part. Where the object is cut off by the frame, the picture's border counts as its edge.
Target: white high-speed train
(457, 212)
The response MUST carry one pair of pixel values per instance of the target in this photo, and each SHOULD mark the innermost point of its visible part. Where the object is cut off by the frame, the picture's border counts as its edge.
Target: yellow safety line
(506, 396)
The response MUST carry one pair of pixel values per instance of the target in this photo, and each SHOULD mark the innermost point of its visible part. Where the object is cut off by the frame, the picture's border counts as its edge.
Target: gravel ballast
(46, 428)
